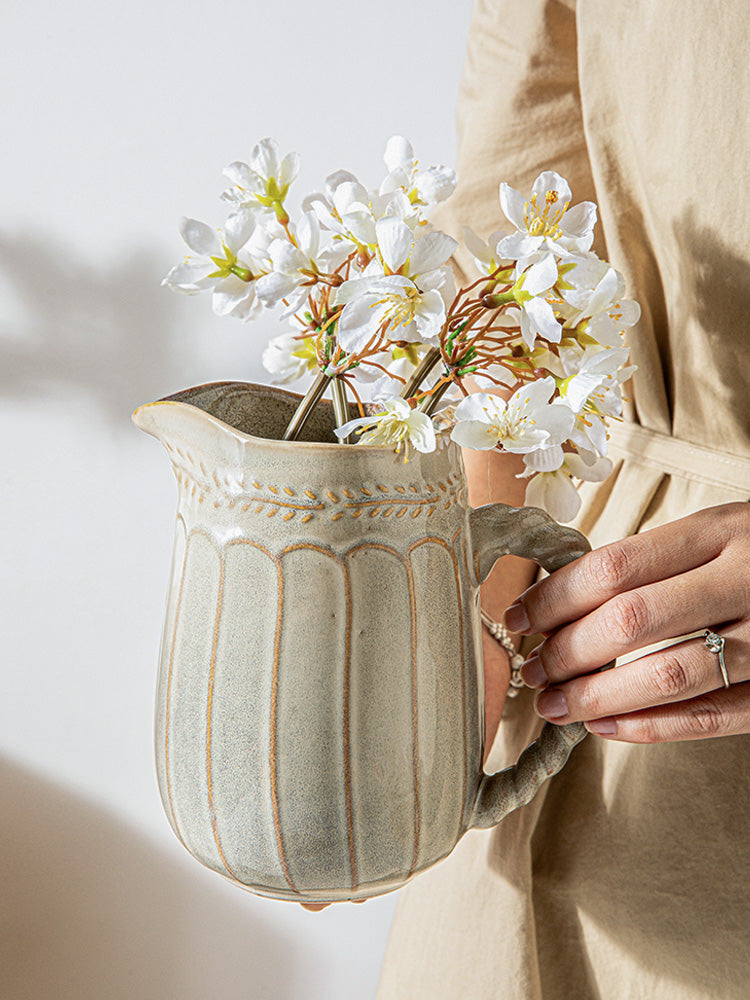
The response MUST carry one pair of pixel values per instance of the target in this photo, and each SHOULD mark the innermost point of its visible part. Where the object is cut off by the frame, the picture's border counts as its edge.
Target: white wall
(117, 120)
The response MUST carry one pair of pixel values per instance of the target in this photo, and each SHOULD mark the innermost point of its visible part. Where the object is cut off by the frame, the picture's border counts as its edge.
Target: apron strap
(678, 458)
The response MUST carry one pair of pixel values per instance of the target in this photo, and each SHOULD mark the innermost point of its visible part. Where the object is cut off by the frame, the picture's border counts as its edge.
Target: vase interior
(261, 411)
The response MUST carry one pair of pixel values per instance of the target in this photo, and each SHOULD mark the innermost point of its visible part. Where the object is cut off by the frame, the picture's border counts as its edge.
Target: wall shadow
(106, 332)
(90, 909)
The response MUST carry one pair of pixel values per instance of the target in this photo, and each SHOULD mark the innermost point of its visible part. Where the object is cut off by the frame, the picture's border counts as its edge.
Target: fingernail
(533, 672)
(516, 618)
(602, 727)
(552, 705)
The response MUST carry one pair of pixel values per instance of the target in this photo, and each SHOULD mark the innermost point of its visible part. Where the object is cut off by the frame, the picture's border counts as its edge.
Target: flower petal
(346, 429)
(604, 292)
(512, 203)
(431, 251)
(477, 247)
(555, 493)
(228, 292)
(395, 240)
(435, 184)
(264, 158)
(628, 313)
(238, 229)
(286, 257)
(201, 239)
(533, 395)
(308, 234)
(359, 322)
(288, 169)
(541, 276)
(519, 245)
(189, 276)
(352, 289)
(550, 180)
(476, 434)
(430, 316)
(422, 432)
(543, 319)
(273, 287)
(322, 208)
(243, 177)
(579, 220)
(348, 193)
(579, 389)
(481, 406)
(280, 361)
(247, 309)
(545, 459)
(398, 153)
(361, 225)
(558, 420)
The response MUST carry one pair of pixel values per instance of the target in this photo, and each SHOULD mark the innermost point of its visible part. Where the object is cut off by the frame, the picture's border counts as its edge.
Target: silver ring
(715, 644)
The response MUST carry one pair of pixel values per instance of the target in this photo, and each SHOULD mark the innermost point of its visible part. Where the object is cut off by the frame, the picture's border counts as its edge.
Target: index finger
(586, 583)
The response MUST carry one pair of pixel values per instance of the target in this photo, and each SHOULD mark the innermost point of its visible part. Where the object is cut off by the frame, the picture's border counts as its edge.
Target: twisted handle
(499, 530)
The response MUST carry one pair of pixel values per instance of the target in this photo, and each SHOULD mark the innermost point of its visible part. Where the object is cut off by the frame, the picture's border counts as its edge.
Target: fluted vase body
(319, 726)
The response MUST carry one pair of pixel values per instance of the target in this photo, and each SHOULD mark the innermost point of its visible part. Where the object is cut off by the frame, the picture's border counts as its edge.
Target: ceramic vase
(319, 722)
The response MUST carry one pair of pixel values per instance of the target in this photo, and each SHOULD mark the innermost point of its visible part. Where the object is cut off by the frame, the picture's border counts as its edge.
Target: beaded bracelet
(499, 632)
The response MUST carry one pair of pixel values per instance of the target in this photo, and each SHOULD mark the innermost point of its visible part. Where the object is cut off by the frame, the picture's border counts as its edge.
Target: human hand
(690, 574)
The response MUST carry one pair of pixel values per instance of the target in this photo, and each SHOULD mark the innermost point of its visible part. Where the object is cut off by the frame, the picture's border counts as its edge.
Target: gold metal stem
(429, 403)
(305, 408)
(340, 405)
(424, 368)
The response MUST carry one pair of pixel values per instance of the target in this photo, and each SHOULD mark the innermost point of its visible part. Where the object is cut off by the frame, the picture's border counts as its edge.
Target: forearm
(491, 477)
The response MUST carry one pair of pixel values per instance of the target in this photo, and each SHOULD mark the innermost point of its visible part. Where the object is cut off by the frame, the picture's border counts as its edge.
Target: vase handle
(498, 530)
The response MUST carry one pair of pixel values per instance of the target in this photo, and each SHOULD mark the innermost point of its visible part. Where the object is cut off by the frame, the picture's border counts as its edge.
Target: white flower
(350, 211)
(525, 423)
(422, 187)
(607, 326)
(345, 209)
(587, 283)
(227, 265)
(400, 363)
(396, 205)
(288, 357)
(412, 314)
(594, 393)
(485, 254)
(263, 181)
(555, 492)
(409, 293)
(591, 298)
(589, 381)
(398, 424)
(535, 313)
(590, 289)
(545, 219)
(594, 375)
(288, 261)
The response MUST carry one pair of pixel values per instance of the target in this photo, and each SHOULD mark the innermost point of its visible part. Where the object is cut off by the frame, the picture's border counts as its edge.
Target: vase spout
(232, 412)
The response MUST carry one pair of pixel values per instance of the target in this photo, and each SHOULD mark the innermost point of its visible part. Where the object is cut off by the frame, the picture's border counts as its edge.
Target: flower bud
(496, 300)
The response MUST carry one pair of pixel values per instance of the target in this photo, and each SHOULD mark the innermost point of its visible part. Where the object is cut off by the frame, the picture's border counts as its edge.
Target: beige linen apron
(628, 876)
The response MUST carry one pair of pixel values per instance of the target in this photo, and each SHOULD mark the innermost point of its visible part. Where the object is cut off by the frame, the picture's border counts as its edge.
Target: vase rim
(174, 399)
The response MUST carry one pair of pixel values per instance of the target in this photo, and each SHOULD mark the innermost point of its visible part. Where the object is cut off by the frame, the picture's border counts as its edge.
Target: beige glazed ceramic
(319, 724)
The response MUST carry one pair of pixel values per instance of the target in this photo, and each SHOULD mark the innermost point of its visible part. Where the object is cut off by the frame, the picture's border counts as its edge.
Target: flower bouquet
(527, 358)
